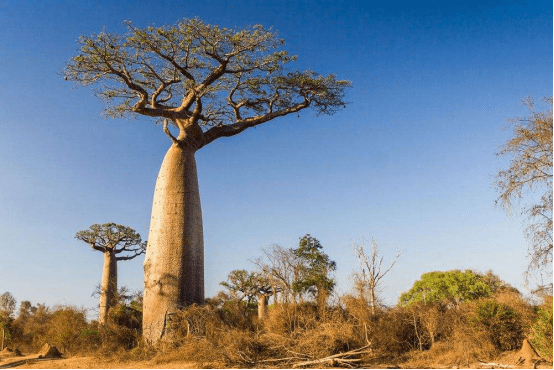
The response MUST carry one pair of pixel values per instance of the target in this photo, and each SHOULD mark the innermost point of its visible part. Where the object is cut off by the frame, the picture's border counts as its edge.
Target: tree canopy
(114, 238)
(314, 268)
(246, 284)
(225, 80)
(451, 287)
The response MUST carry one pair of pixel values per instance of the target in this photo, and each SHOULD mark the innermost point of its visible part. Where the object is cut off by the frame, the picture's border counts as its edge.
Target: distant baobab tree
(118, 243)
(206, 82)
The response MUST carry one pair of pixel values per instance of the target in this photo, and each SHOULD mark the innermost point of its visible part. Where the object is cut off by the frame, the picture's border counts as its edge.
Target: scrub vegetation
(448, 318)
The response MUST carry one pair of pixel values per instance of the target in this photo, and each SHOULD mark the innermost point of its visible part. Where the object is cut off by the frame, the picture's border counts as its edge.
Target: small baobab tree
(250, 285)
(206, 82)
(117, 243)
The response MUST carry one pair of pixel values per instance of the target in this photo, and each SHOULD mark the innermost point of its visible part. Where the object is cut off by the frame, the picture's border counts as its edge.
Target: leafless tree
(370, 272)
(280, 266)
(528, 176)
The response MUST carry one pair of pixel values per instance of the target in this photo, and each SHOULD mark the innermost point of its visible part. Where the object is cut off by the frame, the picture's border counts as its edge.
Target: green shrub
(450, 288)
(501, 322)
(541, 330)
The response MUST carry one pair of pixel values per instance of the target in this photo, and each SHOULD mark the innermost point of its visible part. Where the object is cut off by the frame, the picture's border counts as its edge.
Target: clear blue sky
(410, 162)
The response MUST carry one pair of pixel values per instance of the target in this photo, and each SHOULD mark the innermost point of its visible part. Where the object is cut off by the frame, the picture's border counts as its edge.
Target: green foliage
(541, 330)
(451, 287)
(246, 284)
(313, 272)
(502, 323)
(115, 238)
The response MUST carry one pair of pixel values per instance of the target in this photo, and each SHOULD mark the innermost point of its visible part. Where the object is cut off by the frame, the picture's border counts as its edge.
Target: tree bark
(108, 287)
(174, 263)
(262, 306)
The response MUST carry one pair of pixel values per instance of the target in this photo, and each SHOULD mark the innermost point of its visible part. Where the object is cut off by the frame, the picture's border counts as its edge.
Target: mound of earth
(48, 351)
(527, 356)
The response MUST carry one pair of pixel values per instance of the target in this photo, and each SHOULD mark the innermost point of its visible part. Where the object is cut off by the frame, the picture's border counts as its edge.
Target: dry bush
(30, 331)
(357, 309)
(516, 301)
(123, 328)
(192, 349)
(288, 319)
(391, 330)
(196, 322)
(65, 330)
(440, 356)
(467, 341)
(207, 334)
(502, 323)
(329, 338)
(237, 314)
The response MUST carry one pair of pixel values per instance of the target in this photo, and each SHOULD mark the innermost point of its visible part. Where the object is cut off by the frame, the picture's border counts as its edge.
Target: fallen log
(496, 365)
(337, 359)
(282, 359)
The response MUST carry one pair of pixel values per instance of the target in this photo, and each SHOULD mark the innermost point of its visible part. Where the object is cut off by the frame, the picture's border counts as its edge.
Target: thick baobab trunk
(262, 306)
(174, 263)
(108, 287)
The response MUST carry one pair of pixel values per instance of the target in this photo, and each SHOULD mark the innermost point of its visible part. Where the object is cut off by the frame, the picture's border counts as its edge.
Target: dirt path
(99, 363)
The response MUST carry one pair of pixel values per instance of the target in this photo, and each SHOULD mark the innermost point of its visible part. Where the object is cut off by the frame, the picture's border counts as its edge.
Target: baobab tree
(250, 285)
(206, 83)
(117, 243)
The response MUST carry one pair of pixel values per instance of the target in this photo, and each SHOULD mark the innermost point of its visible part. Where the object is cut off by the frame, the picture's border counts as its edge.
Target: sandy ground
(98, 363)
(13, 360)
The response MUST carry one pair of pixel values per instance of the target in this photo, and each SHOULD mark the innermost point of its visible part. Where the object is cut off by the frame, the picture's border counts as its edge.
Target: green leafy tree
(451, 287)
(207, 82)
(117, 243)
(313, 272)
(241, 284)
(250, 285)
(527, 183)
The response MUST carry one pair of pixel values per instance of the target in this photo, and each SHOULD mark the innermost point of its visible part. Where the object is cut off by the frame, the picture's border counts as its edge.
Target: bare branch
(530, 170)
